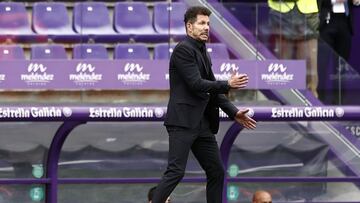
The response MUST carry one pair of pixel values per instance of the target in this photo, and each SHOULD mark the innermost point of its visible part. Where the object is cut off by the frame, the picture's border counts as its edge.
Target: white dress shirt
(338, 7)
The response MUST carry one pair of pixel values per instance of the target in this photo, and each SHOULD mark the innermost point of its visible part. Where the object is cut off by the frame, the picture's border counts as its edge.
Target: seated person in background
(151, 194)
(261, 196)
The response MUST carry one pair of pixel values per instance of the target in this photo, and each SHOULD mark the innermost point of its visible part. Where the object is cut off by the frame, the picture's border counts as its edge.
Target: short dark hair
(192, 12)
(151, 193)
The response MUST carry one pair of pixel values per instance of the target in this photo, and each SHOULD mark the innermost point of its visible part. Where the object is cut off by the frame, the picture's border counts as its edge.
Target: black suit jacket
(325, 8)
(192, 96)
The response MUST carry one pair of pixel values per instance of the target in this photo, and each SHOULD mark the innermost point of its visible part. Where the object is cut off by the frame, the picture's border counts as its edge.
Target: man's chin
(204, 39)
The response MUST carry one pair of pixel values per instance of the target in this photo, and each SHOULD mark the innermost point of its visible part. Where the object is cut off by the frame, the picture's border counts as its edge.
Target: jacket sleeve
(186, 66)
(229, 108)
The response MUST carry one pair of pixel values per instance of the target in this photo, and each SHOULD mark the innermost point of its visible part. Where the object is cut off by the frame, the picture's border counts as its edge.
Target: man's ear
(189, 27)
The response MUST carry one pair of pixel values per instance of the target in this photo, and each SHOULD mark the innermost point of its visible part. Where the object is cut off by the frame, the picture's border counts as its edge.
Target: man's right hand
(238, 81)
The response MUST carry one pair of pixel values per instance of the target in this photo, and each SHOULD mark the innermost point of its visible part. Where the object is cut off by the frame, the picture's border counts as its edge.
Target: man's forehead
(200, 17)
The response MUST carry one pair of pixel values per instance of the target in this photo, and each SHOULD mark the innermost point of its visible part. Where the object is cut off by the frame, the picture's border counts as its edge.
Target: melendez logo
(36, 75)
(276, 74)
(85, 74)
(133, 74)
(226, 69)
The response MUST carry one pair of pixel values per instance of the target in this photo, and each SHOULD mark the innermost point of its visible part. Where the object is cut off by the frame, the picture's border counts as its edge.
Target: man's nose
(207, 27)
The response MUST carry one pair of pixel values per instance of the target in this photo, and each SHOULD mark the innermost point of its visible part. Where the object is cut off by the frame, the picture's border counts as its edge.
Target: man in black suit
(192, 116)
(336, 24)
(336, 31)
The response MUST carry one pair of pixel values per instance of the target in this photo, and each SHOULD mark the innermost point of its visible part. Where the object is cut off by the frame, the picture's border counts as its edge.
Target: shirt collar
(199, 44)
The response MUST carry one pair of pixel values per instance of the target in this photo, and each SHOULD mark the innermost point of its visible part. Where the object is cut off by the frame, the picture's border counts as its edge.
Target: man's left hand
(242, 118)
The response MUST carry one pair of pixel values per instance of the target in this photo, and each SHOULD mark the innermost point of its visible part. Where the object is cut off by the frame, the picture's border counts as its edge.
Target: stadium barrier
(75, 116)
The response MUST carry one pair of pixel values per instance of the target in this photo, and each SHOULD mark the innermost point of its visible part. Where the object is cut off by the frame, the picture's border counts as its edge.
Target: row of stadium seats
(99, 51)
(130, 20)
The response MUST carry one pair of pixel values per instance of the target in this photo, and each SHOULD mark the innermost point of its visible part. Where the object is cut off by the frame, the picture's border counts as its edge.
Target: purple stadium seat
(14, 19)
(161, 18)
(92, 18)
(152, 0)
(217, 51)
(131, 51)
(133, 18)
(163, 51)
(90, 51)
(55, 51)
(8, 52)
(51, 18)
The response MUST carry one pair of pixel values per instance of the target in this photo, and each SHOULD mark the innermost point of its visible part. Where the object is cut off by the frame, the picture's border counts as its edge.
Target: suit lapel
(203, 62)
(205, 70)
(209, 60)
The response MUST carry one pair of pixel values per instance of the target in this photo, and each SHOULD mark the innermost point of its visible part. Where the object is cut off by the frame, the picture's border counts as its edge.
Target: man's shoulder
(183, 44)
(183, 47)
